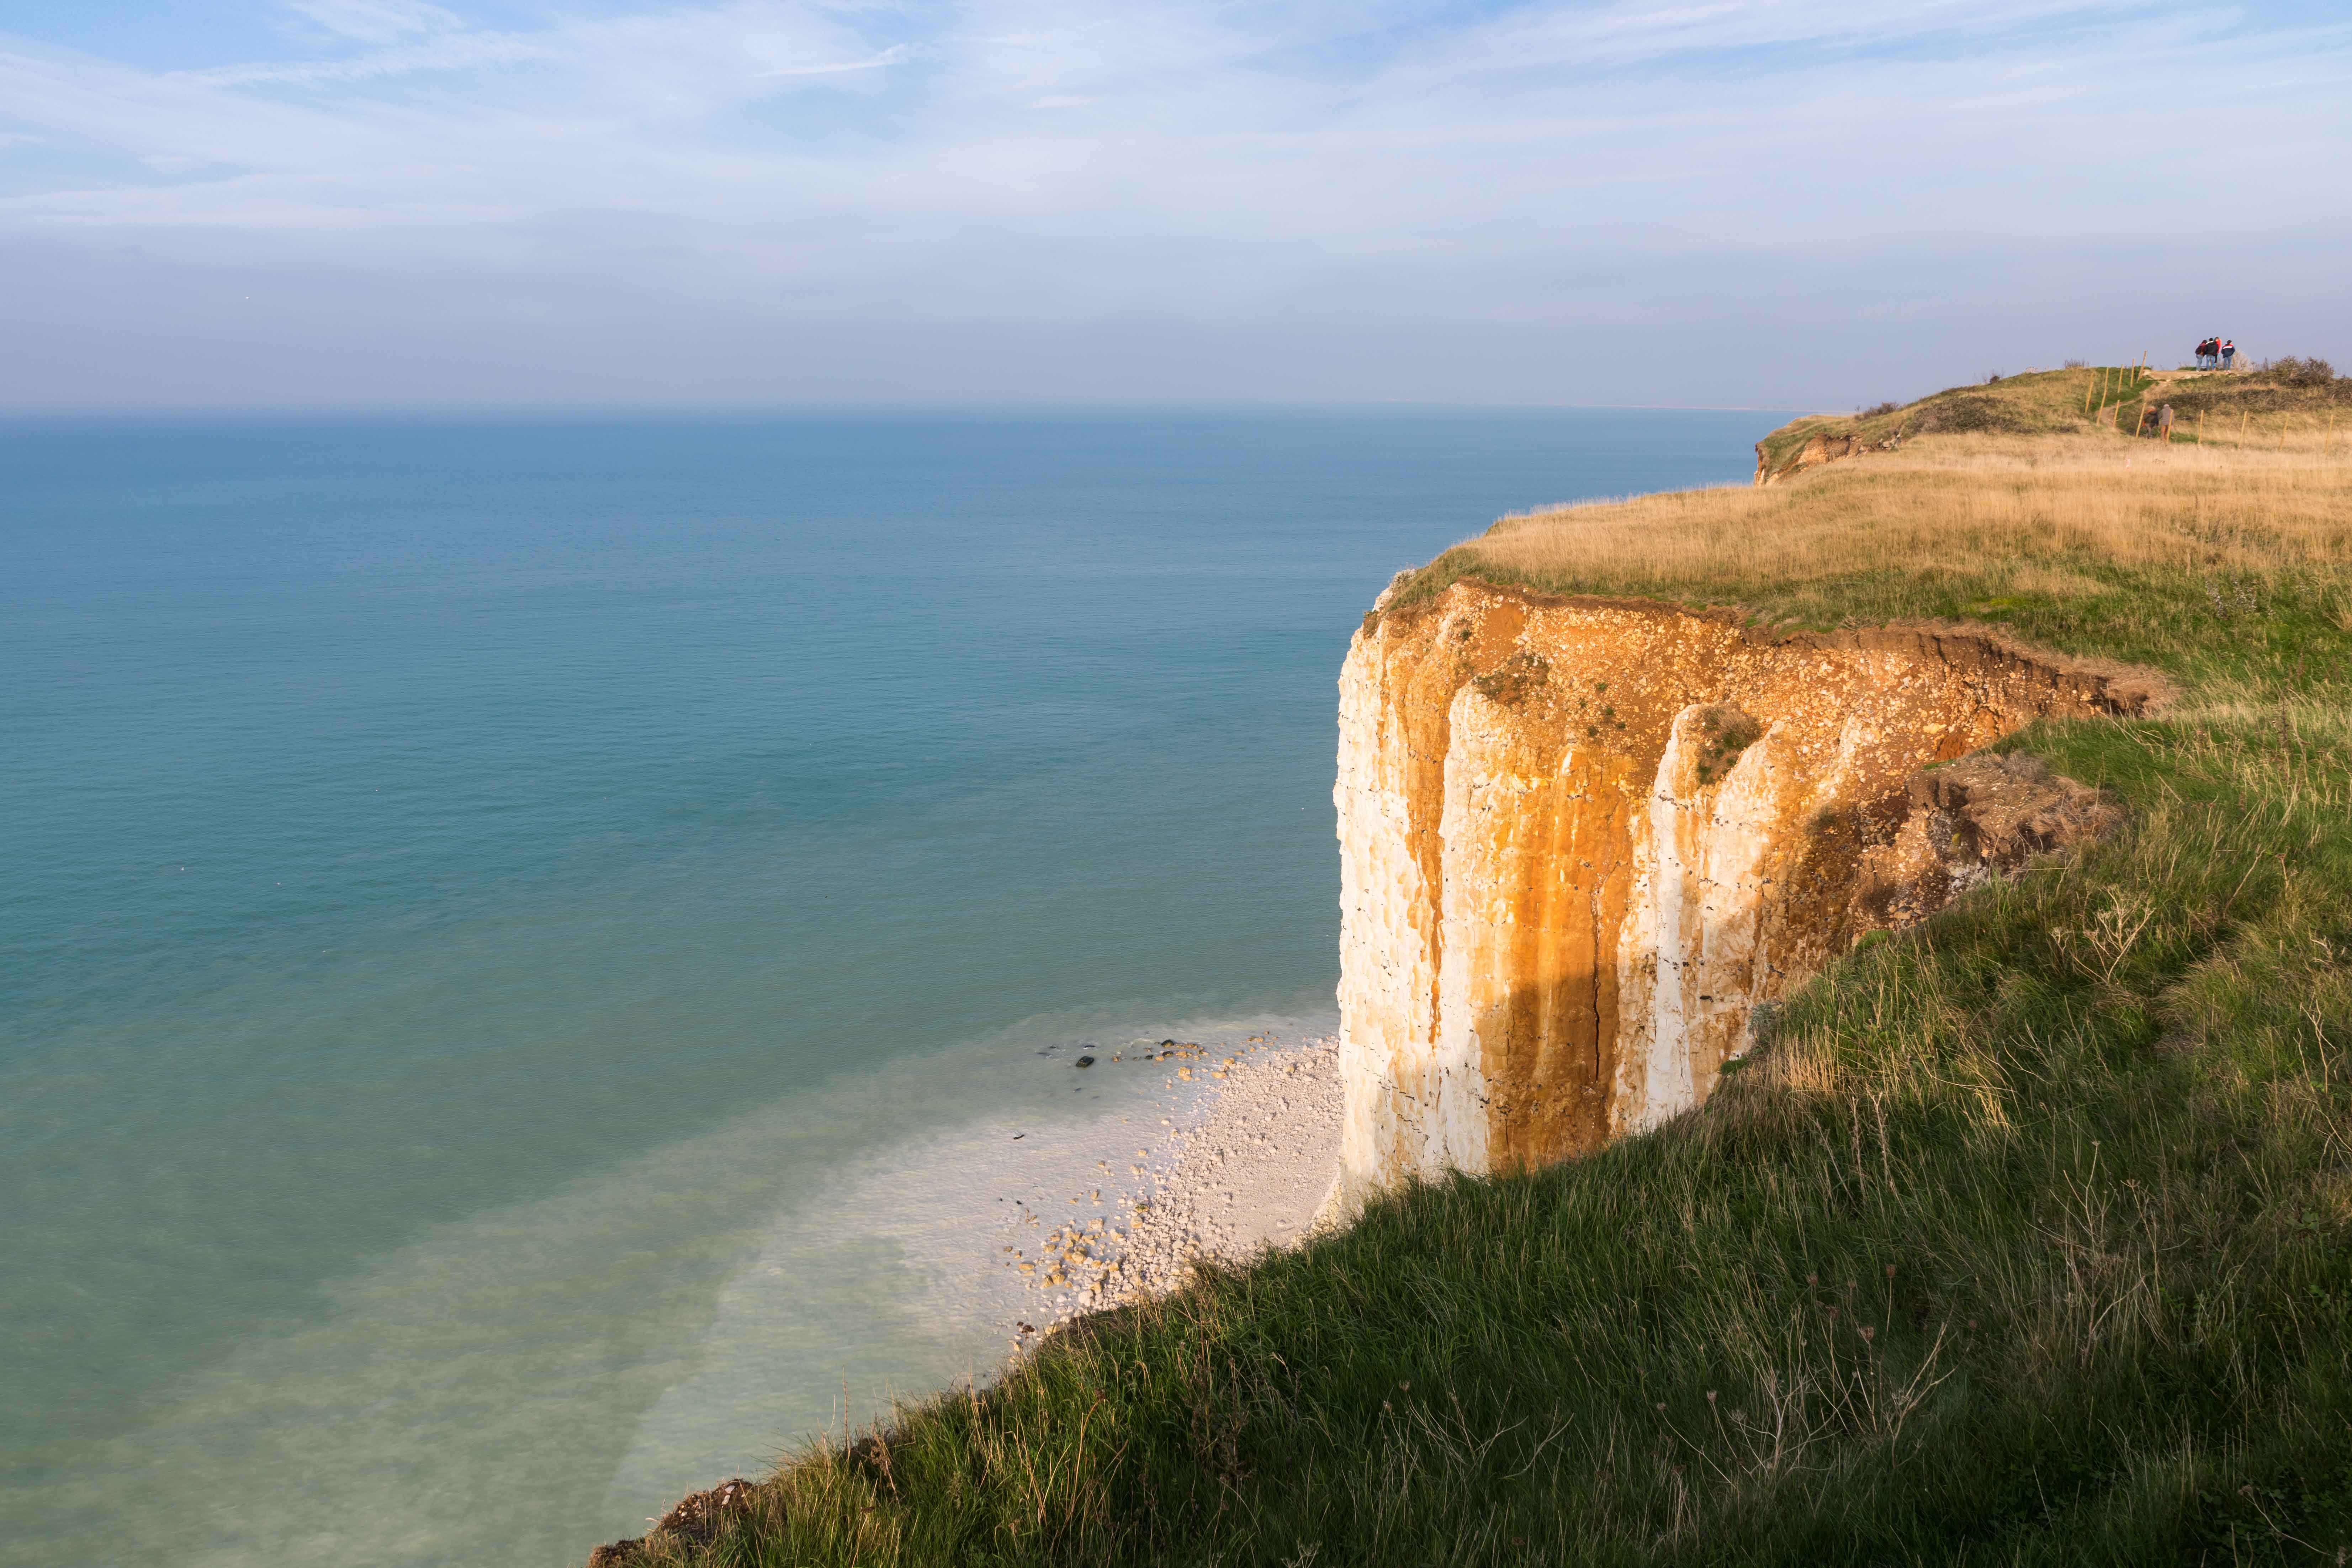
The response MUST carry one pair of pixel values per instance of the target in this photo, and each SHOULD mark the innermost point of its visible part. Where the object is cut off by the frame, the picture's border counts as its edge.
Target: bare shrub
(2289, 370)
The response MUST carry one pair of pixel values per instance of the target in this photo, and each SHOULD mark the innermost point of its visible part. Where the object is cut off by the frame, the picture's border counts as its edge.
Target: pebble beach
(1242, 1159)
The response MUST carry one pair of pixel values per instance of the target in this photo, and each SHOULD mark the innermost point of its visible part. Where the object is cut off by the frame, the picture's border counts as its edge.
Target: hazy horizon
(568, 205)
(619, 413)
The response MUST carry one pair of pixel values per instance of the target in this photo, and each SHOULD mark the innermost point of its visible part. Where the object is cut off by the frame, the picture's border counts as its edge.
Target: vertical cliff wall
(1580, 840)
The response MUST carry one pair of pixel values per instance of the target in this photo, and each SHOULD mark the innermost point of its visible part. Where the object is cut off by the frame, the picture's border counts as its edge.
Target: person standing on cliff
(2229, 354)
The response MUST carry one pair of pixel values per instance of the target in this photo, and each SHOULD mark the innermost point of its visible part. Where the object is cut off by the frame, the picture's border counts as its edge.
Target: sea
(530, 945)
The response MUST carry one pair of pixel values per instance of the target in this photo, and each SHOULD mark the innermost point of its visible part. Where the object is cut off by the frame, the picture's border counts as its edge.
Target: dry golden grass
(2029, 512)
(2193, 558)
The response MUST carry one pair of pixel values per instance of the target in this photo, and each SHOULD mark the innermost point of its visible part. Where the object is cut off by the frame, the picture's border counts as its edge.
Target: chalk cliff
(1581, 839)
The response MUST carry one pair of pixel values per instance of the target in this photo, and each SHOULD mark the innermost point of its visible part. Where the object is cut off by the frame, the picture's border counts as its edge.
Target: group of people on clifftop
(2216, 354)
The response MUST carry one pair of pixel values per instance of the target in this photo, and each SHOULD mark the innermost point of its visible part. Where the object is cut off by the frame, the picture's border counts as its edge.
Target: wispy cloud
(373, 21)
(1043, 161)
(889, 56)
(460, 51)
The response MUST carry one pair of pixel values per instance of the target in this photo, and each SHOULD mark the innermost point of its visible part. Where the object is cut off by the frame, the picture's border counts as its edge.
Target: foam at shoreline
(894, 1278)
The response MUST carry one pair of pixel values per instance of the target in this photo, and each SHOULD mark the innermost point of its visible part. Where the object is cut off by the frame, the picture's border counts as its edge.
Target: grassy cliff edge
(2025, 1237)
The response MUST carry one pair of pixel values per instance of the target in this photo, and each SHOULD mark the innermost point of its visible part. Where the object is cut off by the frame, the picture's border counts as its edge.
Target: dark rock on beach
(697, 1520)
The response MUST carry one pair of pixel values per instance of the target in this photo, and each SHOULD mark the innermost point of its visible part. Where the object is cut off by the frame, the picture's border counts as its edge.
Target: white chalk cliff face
(1580, 840)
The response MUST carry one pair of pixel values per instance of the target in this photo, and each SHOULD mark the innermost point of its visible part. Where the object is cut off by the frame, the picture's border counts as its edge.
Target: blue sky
(1787, 202)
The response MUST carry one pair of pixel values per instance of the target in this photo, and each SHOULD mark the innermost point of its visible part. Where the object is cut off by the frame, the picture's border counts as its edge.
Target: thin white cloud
(1050, 160)
(889, 56)
(463, 51)
(373, 21)
(1159, 112)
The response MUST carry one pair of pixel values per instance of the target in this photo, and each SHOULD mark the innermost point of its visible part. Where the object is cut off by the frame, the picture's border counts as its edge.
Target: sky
(394, 203)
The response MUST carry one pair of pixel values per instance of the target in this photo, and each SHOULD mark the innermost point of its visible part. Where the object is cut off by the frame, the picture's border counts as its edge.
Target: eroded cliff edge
(1582, 839)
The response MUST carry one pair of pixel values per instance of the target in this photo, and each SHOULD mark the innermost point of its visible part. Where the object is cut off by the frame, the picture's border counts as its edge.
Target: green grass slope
(2025, 1238)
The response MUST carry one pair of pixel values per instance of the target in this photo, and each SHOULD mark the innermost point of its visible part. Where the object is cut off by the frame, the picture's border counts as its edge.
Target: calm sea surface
(503, 923)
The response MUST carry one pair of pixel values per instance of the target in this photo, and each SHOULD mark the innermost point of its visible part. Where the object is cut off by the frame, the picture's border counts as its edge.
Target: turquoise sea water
(513, 933)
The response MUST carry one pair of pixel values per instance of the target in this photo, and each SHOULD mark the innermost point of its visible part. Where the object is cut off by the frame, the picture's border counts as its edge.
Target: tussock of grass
(2026, 1237)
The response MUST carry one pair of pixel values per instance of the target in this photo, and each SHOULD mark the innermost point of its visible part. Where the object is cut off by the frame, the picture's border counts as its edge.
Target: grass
(2026, 1237)
(2297, 397)
(2039, 402)
(2213, 565)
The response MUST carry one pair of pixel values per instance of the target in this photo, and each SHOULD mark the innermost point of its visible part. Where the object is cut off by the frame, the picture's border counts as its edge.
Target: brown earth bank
(695, 1519)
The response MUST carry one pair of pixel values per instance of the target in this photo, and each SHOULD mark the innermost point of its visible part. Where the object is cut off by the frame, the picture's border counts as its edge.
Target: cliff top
(2224, 555)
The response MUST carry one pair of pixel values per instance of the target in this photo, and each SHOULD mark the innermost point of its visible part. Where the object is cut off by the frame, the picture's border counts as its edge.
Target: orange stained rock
(1581, 839)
